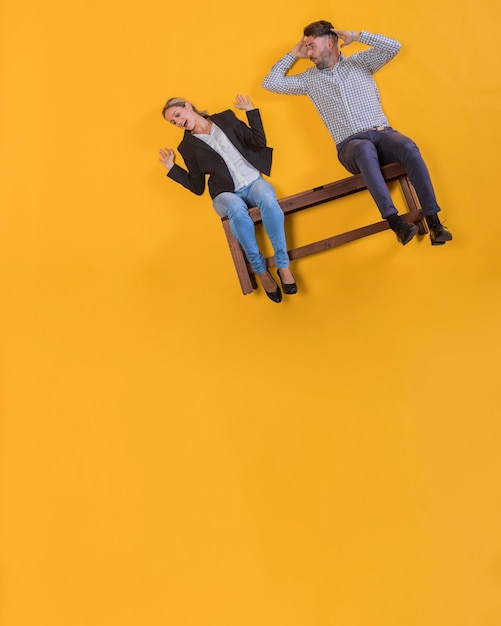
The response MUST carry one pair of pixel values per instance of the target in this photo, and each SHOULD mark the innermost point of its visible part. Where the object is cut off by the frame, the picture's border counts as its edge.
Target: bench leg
(246, 278)
(413, 204)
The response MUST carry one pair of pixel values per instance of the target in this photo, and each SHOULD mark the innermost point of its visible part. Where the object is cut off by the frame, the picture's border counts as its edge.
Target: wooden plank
(341, 239)
(338, 240)
(331, 191)
(335, 190)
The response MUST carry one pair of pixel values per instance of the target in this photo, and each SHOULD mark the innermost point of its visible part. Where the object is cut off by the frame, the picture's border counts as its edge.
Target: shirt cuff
(364, 36)
(290, 59)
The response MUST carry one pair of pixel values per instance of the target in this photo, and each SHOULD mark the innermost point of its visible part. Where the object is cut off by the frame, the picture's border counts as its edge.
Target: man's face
(322, 51)
(181, 116)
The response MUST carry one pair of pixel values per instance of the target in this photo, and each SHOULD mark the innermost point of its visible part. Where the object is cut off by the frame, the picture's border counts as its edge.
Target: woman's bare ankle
(286, 275)
(267, 281)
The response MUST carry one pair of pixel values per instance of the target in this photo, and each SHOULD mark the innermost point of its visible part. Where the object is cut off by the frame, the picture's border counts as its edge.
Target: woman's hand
(167, 157)
(243, 103)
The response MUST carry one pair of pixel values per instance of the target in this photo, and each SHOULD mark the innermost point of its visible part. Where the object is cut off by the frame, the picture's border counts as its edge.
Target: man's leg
(393, 146)
(360, 156)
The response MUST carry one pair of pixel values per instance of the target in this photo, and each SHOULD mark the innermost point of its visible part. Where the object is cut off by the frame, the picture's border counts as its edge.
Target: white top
(242, 172)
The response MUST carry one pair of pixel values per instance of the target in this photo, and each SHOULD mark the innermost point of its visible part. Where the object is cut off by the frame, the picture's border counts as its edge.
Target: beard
(323, 61)
(321, 64)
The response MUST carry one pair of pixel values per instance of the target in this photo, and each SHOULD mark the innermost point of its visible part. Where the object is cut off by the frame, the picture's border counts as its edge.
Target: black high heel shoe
(289, 288)
(276, 295)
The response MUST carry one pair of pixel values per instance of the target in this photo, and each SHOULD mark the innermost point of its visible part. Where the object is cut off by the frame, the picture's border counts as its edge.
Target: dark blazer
(201, 159)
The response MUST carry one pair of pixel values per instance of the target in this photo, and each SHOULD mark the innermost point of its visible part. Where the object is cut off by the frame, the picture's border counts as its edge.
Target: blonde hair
(181, 102)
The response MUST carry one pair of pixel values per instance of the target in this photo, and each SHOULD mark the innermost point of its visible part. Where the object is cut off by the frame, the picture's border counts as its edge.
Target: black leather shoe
(405, 232)
(276, 295)
(289, 288)
(439, 234)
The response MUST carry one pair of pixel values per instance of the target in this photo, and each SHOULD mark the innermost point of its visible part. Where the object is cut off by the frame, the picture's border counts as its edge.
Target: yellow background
(173, 452)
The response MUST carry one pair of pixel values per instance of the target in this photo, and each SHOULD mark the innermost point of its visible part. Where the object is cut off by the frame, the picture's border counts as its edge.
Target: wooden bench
(319, 195)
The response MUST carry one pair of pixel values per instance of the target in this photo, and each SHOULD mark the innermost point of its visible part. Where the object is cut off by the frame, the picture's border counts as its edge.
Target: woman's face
(182, 116)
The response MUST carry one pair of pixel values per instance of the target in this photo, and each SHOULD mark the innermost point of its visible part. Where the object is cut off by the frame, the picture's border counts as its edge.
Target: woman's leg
(242, 227)
(260, 193)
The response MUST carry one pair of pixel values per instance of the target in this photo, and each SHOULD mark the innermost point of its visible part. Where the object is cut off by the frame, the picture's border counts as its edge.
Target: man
(347, 98)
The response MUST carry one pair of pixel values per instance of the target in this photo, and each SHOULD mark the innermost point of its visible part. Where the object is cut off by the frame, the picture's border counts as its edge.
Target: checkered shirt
(346, 95)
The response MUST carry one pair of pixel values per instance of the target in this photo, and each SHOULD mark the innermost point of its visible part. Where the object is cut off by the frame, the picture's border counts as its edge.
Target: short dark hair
(322, 28)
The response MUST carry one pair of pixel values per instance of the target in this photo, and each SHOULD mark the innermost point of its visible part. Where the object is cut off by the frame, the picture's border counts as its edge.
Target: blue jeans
(236, 206)
(365, 152)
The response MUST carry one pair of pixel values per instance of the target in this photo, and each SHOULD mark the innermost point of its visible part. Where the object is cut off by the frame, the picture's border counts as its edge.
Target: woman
(233, 155)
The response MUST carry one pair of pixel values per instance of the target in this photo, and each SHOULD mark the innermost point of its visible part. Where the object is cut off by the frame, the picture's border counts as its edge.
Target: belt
(379, 127)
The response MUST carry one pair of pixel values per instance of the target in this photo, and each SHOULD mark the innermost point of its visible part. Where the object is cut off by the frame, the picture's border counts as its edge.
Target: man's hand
(243, 103)
(167, 157)
(299, 49)
(348, 36)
